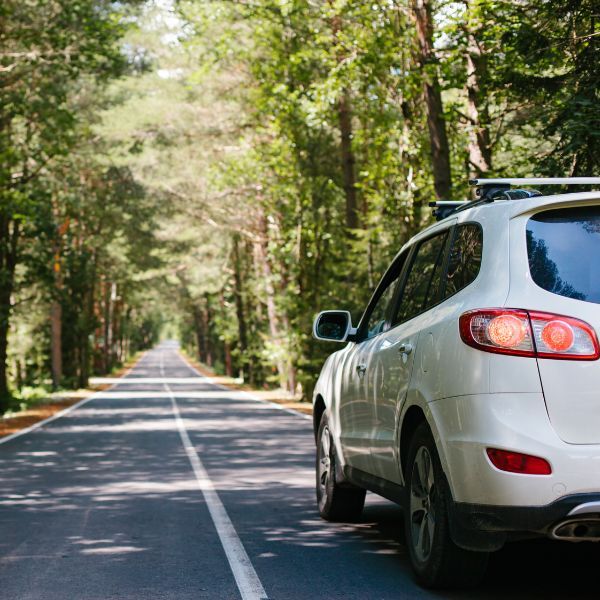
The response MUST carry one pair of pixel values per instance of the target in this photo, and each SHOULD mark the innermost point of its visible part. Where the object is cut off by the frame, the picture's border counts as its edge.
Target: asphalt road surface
(167, 486)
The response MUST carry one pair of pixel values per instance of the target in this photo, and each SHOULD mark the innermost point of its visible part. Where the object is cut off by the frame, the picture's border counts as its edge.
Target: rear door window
(422, 284)
(563, 246)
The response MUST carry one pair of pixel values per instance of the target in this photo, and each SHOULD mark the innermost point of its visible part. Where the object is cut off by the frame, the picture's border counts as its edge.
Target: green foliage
(66, 219)
(228, 169)
(501, 65)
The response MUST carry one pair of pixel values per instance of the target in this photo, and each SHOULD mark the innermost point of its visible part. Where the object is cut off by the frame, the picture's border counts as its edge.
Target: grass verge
(39, 408)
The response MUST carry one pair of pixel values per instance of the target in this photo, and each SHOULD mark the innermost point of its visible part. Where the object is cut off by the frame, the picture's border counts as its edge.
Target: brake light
(557, 336)
(515, 462)
(507, 331)
(498, 330)
(529, 333)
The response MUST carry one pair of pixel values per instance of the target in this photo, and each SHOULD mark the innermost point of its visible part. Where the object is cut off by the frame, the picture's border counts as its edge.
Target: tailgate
(562, 253)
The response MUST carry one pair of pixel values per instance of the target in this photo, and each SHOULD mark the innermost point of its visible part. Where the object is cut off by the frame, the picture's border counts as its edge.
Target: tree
(44, 53)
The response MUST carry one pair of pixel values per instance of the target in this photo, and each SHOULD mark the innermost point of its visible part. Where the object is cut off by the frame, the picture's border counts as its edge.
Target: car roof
(510, 208)
(521, 207)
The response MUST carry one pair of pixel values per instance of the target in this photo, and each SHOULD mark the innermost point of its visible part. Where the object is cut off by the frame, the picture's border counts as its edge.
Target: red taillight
(507, 331)
(558, 336)
(515, 462)
(529, 333)
(498, 330)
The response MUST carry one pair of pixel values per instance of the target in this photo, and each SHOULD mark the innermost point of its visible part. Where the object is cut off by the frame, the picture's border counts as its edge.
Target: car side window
(378, 316)
(464, 261)
(422, 285)
(377, 320)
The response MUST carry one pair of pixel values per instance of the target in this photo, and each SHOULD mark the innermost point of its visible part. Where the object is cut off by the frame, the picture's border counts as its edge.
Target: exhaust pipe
(577, 530)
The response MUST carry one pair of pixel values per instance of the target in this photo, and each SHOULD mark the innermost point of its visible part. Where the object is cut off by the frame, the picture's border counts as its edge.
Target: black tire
(437, 561)
(337, 502)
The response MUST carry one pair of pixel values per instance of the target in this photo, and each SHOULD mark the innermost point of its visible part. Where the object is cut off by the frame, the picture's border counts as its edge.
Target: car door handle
(405, 348)
(360, 369)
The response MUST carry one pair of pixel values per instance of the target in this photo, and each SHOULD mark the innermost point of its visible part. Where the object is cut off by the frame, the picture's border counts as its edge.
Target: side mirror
(333, 326)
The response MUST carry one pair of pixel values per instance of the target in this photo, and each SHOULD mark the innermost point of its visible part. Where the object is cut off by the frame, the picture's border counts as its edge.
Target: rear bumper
(465, 426)
(485, 527)
(491, 506)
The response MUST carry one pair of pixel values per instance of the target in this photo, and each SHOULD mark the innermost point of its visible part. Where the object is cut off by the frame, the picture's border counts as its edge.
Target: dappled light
(184, 186)
(111, 482)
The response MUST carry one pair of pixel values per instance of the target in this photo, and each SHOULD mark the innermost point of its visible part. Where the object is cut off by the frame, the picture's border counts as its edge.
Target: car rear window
(563, 246)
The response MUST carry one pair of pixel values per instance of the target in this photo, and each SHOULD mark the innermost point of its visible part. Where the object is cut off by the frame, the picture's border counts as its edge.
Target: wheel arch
(318, 410)
(419, 412)
(413, 417)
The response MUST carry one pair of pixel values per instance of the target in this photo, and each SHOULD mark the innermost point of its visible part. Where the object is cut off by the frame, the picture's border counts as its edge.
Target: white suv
(470, 391)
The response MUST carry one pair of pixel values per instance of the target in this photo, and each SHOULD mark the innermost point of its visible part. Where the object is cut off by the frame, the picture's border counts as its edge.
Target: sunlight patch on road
(112, 550)
(146, 380)
(182, 395)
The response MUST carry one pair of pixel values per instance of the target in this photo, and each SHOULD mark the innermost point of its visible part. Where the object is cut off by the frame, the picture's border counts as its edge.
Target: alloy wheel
(324, 461)
(422, 504)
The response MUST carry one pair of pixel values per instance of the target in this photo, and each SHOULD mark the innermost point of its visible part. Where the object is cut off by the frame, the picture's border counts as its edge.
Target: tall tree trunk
(4, 321)
(239, 305)
(56, 349)
(274, 323)
(345, 124)
(110, 295)
(348, 161)
(5, 310)
(436, 124)
(56, 342)
(480, 149)
(9, 236)
(206, 316)
(199, 330)
(87, 327)
(227, 359)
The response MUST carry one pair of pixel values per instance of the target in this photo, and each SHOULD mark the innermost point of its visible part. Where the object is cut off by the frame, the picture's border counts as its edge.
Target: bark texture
(436, 123)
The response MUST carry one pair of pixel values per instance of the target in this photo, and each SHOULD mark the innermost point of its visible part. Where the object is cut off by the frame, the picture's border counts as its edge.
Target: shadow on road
(529, 569)
(104, 504)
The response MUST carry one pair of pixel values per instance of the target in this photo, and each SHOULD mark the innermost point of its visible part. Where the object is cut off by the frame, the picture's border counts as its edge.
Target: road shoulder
(55, 404)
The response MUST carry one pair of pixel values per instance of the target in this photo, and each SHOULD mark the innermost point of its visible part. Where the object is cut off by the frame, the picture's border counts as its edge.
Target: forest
(220, 171)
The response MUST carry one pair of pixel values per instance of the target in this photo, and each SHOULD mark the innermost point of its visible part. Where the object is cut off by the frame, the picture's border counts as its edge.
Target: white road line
(243, 571)
(243, 394)
(64, 412)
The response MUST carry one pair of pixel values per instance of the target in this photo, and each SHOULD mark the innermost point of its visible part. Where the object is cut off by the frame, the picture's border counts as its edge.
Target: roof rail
(537, 181)
(492, 189)
(489, 190)
(444, 208)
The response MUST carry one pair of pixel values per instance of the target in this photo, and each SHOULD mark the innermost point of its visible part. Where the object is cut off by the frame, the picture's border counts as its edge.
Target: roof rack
(537, 181)
(489, 190)
(444, 208)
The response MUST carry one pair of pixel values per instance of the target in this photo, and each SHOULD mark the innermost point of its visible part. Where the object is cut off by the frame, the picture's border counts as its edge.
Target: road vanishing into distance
(168, 486)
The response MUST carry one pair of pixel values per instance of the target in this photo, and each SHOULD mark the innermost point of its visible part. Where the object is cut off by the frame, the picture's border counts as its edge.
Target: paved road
(167, 486)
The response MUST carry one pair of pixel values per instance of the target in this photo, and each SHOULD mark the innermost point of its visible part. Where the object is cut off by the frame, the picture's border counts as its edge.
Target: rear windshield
(563, 246)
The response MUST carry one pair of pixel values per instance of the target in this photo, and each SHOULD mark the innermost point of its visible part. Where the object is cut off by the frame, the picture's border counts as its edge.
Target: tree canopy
(228, 169)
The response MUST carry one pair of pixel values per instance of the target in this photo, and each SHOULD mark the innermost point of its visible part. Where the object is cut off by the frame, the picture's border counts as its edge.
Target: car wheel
(337, 501)
(437, 561)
